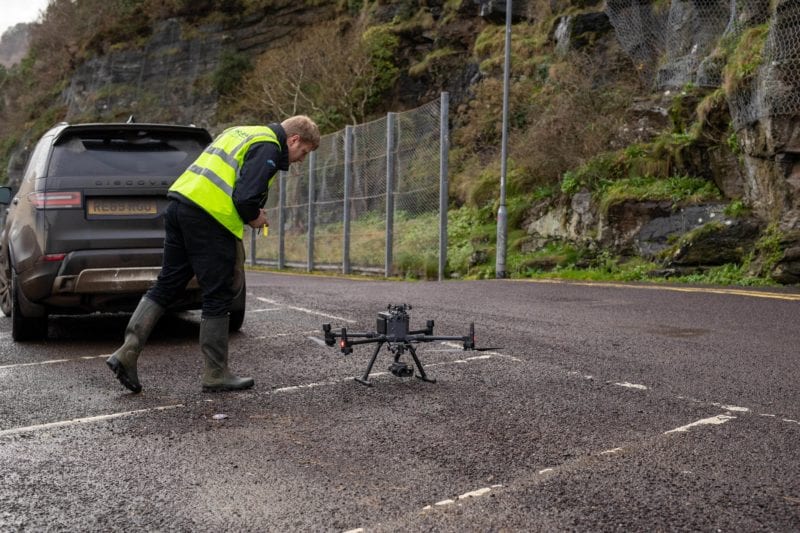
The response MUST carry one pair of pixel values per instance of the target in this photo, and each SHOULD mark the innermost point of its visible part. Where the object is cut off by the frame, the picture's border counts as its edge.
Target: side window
(38, 161)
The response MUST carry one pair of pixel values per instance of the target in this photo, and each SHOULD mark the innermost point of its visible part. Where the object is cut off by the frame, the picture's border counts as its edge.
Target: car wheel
(25, 328)
(5, 284)
(237, 310)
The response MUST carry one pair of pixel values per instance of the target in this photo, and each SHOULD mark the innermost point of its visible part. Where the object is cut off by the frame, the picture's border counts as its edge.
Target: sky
(15, 11)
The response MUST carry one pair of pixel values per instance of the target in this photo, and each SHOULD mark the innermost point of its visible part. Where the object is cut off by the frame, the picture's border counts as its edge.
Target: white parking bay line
(472, 494)
(714, 420)
(304, 310)
(54, 361)
(317, 340)
(86, 420)
(631, 385)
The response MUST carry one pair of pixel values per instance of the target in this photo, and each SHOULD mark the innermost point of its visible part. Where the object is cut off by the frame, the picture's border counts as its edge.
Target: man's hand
(260, 221)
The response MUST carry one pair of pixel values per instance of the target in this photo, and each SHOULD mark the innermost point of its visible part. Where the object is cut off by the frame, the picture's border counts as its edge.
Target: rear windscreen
(148, 155)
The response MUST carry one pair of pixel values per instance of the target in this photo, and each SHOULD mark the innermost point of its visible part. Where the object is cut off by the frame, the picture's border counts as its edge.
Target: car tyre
(237, 311)
(24, 328)
(5, 284)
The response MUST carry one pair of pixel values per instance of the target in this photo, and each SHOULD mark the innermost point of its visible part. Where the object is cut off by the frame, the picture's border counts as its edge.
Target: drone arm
(427, 331)
(371, 338)
(468, 340)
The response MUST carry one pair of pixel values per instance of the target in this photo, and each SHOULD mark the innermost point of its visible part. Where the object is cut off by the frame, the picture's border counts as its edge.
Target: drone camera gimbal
(392, 329)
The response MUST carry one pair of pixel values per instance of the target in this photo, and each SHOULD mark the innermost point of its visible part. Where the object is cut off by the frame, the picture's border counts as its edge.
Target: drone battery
(392, 324)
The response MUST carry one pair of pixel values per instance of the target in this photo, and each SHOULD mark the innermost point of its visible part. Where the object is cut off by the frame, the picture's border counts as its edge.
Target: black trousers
(196, 244)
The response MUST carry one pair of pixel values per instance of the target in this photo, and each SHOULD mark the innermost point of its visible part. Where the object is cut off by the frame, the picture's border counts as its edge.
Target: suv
(85, 230)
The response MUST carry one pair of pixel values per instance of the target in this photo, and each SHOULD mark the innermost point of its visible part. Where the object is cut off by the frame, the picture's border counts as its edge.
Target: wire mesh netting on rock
(679, 42)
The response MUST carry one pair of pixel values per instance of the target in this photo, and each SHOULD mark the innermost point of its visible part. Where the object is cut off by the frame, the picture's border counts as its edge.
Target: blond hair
(303, 126)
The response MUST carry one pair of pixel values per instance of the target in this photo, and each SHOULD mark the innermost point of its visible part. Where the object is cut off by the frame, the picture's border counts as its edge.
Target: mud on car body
(85, 231)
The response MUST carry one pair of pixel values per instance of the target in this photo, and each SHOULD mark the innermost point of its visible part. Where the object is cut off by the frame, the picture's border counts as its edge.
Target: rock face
(765, 106)
(716, 244)
(166, 81)
(172, 77)
(770, 131)
(14, 44)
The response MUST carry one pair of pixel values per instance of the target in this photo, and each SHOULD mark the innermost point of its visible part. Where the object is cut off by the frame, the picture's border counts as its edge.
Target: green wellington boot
(123, 361)
(214, 344)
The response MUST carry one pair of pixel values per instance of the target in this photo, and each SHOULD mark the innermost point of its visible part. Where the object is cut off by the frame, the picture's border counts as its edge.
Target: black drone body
(393, 330)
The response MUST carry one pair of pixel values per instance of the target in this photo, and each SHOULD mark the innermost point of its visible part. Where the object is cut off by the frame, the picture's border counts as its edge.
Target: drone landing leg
(364, 380)
(422, 374)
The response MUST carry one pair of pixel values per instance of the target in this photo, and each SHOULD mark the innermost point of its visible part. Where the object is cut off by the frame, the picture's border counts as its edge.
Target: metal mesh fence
(677, 42)
(360, 202)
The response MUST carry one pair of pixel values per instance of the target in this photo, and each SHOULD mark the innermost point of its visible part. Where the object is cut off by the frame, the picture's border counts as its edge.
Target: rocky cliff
(14, 44)
(680, 47)
(171, 76)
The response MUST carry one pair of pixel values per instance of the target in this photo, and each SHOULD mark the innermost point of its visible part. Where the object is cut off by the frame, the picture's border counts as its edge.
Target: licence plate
(120, 207)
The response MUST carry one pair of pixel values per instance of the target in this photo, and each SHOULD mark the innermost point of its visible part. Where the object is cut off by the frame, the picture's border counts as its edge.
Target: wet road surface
(595, 408)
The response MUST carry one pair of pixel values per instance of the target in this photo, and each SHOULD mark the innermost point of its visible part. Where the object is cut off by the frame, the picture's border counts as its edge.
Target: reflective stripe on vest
(209, 181)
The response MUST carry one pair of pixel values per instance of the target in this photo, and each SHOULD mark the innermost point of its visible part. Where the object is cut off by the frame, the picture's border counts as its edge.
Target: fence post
(281, 220)
(312, 170)
(444, 148)
(348, 178)
(390, 175)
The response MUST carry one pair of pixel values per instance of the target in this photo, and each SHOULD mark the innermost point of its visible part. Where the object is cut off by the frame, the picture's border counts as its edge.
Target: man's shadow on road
(110, 327)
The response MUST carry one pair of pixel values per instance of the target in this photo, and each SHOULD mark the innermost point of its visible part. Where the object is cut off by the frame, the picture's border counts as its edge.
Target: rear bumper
(110, 281)
(87, 281)
(96, 280)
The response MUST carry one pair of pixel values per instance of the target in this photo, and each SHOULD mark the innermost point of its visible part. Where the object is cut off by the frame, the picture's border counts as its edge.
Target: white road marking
(631, 385)
(54, 361)
(479, 492)
(262, 337)
(471, 494)
(308, 385)
(86, 420)
(317, 340)
(372, 375)
(304, 310)
(546, 470)
(714, 420)
(490, 353)
(263, 310)
(731, 407)
(611, 451)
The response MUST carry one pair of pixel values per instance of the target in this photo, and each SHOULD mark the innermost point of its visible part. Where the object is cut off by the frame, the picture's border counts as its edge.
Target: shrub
(232, 69)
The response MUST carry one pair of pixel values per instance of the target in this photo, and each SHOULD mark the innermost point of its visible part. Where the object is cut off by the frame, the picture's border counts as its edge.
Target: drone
(393, 330)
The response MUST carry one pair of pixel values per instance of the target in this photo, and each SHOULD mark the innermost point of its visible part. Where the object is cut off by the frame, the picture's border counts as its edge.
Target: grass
(415, 245)
(677, 189)
(471, 253)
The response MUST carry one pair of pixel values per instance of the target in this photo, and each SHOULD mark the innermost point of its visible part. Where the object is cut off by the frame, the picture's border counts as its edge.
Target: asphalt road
(595, 408)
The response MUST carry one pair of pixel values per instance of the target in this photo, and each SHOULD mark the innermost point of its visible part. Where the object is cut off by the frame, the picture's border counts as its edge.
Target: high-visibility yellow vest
(209, 181)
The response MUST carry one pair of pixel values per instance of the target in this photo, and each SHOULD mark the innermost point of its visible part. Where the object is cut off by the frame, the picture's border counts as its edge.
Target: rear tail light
(51, 258)
(56, 200)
